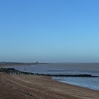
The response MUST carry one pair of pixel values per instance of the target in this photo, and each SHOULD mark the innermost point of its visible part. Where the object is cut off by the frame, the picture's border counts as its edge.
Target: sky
(49, 30)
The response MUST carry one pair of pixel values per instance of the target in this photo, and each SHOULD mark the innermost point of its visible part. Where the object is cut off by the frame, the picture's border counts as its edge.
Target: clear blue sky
(49, 30)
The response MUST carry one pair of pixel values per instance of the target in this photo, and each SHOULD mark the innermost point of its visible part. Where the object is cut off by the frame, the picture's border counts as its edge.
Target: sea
(67, 68)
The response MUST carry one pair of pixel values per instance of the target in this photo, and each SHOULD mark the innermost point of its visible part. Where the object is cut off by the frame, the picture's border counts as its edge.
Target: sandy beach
(40, 87)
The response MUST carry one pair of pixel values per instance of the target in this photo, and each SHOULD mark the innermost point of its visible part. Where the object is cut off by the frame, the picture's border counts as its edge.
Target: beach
(14, 86)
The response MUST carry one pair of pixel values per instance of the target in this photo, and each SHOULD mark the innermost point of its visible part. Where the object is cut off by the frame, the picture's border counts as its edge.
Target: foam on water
(88, 82)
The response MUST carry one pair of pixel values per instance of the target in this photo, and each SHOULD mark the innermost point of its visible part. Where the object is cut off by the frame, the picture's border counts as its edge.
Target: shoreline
(41, 87)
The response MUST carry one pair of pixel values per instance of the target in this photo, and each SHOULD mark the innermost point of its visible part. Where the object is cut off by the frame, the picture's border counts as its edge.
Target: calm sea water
(68, 68)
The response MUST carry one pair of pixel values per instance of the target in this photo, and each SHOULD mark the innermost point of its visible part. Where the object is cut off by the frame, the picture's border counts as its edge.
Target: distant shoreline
(19, 63)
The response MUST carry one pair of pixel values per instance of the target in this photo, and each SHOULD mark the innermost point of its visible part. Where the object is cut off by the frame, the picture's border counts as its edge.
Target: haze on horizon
(49, 30)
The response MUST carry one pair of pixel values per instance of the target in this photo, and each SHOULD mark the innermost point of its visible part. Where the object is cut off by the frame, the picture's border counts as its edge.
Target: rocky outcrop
(14, 71)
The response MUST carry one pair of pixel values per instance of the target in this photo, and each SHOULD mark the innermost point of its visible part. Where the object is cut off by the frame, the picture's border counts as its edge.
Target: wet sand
(40, 87)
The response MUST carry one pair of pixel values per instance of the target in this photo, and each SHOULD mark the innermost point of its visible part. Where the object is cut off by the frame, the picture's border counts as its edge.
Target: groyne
(14, 71)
